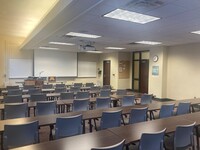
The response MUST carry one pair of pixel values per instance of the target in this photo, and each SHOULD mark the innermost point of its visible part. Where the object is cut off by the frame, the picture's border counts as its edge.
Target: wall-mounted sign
(155, 70)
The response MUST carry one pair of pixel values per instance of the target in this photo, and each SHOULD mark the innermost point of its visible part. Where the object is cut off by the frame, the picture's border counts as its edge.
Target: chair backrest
(82, 95)
(89, 84)
(152, 141)
(27, 87)
(78, 84)
(80, 104)
(105, 93)
(121, 92)
(95, 88)
(74, 89)
(108, 87)
(15, 92)
(110, 119)
(60, 89)
(45, 108)
(38, 97)
(13, 99)
(15, 110)
(66, 95)
(118, 146)
(60, 85)
(34, 91)
(20, 135)
(12, 87)
(138, 115)
(68, 126)
(183, 136)
(47, 86)
(183, 108)
(128, 100)
(103, 102)
(146, 98)
(166, 110)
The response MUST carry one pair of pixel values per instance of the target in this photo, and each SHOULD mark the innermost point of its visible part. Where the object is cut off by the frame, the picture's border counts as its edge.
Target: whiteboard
(55, 63)
(87, 69)
(20, 68)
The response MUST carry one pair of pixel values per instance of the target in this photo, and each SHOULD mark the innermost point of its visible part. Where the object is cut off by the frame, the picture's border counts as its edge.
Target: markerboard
(20, 68)
(87, 69)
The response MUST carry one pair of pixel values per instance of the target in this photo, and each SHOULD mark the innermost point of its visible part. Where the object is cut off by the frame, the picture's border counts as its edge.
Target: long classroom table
(131, 133)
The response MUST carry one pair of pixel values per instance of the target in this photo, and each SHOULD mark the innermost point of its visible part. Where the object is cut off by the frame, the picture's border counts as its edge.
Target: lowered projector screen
(55, 63)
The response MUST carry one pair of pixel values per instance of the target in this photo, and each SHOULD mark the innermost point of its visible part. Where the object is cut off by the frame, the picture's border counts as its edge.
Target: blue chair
(47, 86)
(184, 136)
(103, 102)
(15, 92)
(66, 95)
(78, 84)
(121, 92)
(152, 141)
(107, 87)
(138, 115)
(105, 93)
(118, 146)
(13, 99)
(146, 98)
(166, 110)
(60, 89)
(27, 87)
(89, 84)
(74, 89)
(128, 100)
(45, 108)
(183, 108)
(15, 110)
(34, 91)
(20, 135)
(60, 85)
(38, 97)
(81, 104)
(110, 119)
(82, 95)
(68, 126)
(12, 87)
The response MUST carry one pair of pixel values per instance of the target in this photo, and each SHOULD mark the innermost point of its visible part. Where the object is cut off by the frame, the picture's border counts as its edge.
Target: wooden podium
(35, 82)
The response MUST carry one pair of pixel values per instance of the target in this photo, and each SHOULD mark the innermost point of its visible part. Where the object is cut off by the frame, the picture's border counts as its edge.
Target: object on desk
(52, 79)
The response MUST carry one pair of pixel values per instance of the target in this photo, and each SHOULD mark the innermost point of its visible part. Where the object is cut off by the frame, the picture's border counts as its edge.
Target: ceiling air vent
(145, 3)
(133, 43)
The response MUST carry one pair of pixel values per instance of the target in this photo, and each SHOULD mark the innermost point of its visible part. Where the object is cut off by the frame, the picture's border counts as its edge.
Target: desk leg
(84, 126)
(197, 136)
(2, 140)
(90, 124)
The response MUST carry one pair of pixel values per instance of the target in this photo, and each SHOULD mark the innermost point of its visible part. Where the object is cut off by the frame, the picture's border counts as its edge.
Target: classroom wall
(183, 71)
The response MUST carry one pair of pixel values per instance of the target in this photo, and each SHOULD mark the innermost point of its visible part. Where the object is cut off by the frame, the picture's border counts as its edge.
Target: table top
(84, 142)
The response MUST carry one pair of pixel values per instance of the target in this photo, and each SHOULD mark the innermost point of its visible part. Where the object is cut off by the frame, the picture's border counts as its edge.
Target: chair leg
(51, 135)
(95, 124)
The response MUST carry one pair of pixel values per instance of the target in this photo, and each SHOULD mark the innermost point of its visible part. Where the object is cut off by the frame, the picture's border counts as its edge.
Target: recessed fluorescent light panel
(130, 16)
(61, 43)
(196, 32)
(117, 48)
(50, 48)
(148, 42)
(83, 35)
(94, 51)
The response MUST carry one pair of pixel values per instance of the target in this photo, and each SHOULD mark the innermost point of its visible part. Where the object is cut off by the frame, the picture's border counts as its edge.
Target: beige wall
(183, 76)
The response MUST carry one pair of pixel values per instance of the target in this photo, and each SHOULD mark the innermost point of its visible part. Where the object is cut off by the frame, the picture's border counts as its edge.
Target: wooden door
(106, 72)
(144, 76)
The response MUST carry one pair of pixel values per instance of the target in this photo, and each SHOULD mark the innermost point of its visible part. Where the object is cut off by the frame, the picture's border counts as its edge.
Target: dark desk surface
(80, 142)
(132, 133)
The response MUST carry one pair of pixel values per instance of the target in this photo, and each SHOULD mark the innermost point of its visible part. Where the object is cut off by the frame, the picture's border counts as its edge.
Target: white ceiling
(178, 19)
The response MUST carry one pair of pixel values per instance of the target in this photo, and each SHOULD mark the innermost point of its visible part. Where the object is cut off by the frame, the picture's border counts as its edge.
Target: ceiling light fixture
(196, 32)
(61, 43)
(148, 42)
(98, 52)
(50, 48)
(130, 16)
(117, 48)
(83, 35)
